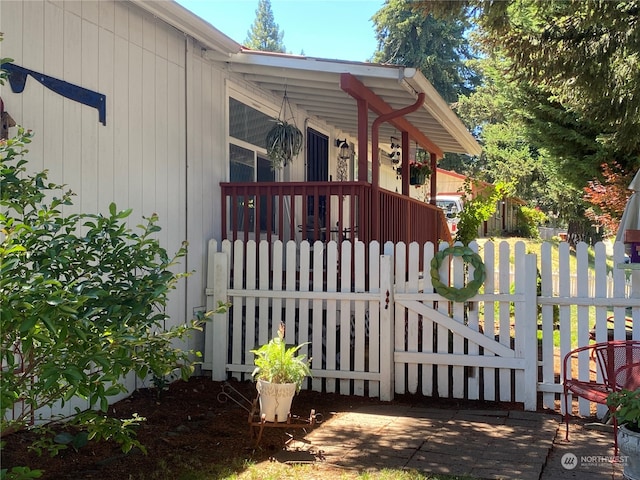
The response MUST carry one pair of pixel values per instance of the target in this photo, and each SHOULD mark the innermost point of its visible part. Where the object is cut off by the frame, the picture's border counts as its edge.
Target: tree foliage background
(565, 78)
(438, 48)
(265, 34)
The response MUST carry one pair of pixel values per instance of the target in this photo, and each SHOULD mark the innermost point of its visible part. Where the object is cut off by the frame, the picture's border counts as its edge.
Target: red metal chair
(616, 361)
(628, 327)
(629, 376)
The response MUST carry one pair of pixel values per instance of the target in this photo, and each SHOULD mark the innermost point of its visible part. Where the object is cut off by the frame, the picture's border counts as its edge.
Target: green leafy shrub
(529, 219)
(627, 405)
(479, 205)
(19, 473)
(82, 301)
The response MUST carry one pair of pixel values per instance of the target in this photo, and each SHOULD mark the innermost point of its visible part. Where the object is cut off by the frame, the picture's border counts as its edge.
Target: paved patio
(484, 444)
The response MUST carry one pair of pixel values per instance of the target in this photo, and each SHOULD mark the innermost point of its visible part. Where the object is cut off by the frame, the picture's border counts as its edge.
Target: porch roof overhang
(314, 85)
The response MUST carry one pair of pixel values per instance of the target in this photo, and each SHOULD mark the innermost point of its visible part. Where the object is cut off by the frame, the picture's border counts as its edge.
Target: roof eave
(299, 62)
(411, 79)
(179, 17)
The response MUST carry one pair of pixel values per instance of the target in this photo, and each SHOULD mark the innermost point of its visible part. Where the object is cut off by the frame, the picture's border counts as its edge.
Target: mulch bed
(188, 427)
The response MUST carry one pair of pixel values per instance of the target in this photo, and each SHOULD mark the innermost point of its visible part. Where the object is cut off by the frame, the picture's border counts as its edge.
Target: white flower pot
(629, 446)
(275, 399)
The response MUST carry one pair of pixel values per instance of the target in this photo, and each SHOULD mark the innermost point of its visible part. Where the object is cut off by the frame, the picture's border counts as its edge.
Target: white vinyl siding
(137, 159)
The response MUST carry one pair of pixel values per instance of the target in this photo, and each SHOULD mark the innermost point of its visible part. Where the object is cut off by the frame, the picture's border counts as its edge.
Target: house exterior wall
(165, 146)
(206, 167)
(448, 182)
(137, 159)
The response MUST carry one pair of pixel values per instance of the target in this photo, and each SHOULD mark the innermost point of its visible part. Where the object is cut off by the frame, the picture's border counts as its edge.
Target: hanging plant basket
(418, 174)
(284, 140)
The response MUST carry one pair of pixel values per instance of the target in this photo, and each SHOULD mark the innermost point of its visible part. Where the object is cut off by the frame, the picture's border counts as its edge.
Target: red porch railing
(404, 219)
(326, 211)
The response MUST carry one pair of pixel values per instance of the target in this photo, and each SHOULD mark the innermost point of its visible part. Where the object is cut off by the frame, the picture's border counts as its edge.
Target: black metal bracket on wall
(18, 79)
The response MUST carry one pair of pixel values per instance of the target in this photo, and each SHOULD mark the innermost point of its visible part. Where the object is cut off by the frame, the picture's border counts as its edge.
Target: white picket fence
(375, 326)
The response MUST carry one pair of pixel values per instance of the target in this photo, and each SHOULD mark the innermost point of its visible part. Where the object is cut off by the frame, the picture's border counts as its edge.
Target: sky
(334, 29)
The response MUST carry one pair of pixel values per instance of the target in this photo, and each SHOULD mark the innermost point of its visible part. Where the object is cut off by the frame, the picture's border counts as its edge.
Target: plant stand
(258, 423)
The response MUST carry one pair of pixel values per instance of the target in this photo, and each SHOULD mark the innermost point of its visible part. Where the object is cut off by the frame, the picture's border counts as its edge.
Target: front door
(265, 174)
(317, 167)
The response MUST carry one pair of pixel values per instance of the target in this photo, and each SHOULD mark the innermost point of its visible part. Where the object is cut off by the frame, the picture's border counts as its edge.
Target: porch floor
(484, 444)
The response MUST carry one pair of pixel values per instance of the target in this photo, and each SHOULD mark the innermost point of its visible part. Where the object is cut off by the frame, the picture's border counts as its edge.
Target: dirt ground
(187, 429)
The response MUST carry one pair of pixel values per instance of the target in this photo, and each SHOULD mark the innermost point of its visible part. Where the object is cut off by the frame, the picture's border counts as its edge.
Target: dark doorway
(317, 168)
(265, 174)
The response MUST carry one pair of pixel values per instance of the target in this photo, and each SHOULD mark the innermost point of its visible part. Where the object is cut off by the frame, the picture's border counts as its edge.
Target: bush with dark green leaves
(83, 300)
(479, 204)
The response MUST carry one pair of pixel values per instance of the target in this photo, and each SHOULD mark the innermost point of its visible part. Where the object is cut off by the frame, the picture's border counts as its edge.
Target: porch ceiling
(313, 84)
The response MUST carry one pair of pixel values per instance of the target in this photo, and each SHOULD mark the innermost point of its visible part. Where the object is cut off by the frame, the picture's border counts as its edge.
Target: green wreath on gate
(452, 293)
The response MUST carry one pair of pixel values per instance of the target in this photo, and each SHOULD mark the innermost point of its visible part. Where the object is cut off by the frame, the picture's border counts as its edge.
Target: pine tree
(439, 48)
(264, 34)
(576, 66)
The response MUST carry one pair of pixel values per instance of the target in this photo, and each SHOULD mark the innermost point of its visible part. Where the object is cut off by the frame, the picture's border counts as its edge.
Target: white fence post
(387, 342)
(212, 248)
(218, 331)
(529, 330)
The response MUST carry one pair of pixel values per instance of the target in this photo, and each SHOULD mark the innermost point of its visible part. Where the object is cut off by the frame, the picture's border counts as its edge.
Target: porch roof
(314, 84)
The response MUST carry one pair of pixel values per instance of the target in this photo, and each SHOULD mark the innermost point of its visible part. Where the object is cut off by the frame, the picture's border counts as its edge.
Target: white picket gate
(380, 330)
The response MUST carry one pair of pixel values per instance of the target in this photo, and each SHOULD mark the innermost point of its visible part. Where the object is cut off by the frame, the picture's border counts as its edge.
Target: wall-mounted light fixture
(345, 149)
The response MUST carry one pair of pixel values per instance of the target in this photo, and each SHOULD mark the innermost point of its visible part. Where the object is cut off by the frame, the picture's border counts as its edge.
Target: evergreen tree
(576, 66)
(509, 155)
(438, 48)
(264, 34)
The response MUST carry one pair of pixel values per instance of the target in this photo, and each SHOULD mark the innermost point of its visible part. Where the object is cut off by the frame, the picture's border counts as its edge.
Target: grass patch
(278, 471)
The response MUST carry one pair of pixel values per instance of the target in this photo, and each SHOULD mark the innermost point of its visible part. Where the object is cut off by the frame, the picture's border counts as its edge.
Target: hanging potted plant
(279, 374)
(284, 140)
(418, 173)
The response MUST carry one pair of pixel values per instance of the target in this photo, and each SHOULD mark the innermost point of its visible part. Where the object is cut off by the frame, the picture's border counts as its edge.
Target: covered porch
(376, 109)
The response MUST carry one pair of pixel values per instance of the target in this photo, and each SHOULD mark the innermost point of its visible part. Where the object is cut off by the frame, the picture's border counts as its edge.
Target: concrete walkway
(483, 444)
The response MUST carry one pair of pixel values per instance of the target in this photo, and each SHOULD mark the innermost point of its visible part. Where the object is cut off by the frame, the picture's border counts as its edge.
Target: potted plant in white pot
(279, 374)
(627, 412)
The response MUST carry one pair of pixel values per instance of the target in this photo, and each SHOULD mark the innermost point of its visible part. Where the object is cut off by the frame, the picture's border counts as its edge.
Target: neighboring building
(450, 185)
